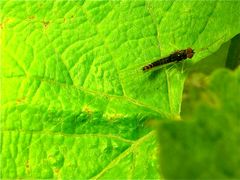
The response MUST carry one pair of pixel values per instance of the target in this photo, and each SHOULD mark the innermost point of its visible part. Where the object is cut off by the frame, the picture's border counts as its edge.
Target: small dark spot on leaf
(27, 167)
(87, 110)
(45, 23)
(27, 164)
(31, 17)
(56, 170)
(20, 100)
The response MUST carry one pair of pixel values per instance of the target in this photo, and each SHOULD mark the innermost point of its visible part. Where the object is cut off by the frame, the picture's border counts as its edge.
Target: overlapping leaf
(206, 143)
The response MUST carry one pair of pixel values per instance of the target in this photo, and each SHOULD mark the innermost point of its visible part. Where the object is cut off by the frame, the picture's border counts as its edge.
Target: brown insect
(174, 57)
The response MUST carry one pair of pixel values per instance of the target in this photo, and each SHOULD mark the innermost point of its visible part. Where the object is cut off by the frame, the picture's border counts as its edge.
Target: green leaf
(72, 103)
(206, 143)
(234, 53)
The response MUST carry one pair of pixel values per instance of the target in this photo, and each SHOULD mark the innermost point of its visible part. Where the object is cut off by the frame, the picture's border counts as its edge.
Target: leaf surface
(72, 105)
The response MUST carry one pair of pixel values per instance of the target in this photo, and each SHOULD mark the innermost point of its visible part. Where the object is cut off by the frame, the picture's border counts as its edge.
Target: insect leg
(222, 38)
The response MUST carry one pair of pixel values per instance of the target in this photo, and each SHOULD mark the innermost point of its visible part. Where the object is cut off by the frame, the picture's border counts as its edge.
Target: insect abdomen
(156, 63)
